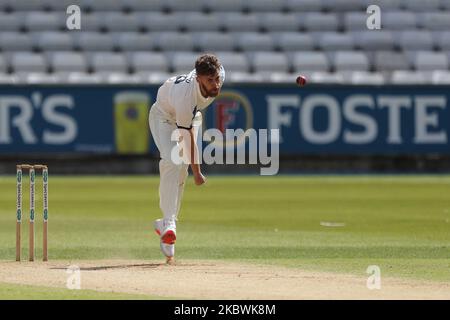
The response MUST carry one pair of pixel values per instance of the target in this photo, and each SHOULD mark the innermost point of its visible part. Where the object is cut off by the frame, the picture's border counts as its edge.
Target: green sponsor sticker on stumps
(19, 215)
(32, 215)
(32, 176)
(45, 176)
(19, 176)
(45, 214)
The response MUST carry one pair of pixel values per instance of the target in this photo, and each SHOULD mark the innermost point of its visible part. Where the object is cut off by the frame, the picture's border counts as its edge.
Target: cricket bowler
(177, 107)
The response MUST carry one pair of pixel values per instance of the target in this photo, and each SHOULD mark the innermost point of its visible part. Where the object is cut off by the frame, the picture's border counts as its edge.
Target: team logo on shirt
(230, 110)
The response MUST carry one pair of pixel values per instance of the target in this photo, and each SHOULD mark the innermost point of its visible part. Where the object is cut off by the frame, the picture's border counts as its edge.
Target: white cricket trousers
(172, 176)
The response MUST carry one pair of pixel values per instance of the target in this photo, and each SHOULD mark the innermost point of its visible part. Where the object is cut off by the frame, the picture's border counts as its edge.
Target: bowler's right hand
(199, 179)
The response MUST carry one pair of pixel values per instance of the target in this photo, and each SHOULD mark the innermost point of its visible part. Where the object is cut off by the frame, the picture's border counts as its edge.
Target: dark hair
(207, 64)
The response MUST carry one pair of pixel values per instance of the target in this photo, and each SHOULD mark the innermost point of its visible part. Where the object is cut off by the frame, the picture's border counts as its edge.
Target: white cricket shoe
(166, 229)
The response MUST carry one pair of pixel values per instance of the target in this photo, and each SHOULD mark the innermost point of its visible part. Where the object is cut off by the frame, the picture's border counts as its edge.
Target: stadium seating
(139, 40)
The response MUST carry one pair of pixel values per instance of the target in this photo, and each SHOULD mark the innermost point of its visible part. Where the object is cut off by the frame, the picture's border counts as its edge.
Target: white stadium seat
(385, 5)
(304, 5)
(52, 40)
(315, 21)
(441, 77)
(153, 21)
(28, 62)
(142, 61)
(427, 61)
(183, 5)
(45, 21)
(174, 41)
(196, 21)
(350, 61)
(313, 61)
(273, 22)
(334, 41)
(415, 40)
(366, 78)
(293, 41)
(12, 41)
(239, 22)
(249, 41)
(108, 62)
(145, 5)
(68, 62)
(398, 20)
(421, 5)
(408, 77)
(370, 40)
(82, 77)
(102, 5)
(26, 5)
(442, 40)
(93, 41)
(269, 61)
(116, 21)
(390, 61)
(326, 77)
(131, 41)
(7, 78)
(355, 21)
(183, 62)
(233, 61)
(91, 22)
(265, 5)
(3, 65)
(213, 41)
(343, 5)
(434, 20)
(10, 22)
(229, 5)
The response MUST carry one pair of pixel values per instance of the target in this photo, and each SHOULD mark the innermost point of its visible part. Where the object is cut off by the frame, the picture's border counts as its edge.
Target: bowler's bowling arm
(189, 145)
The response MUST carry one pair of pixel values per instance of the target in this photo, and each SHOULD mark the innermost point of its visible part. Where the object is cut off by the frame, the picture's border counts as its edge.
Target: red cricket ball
(301, 80)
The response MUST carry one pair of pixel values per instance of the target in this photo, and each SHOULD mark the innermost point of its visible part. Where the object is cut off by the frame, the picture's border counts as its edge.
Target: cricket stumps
(19, 210)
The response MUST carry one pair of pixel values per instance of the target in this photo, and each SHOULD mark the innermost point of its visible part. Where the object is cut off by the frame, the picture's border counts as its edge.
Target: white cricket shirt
(179, 99)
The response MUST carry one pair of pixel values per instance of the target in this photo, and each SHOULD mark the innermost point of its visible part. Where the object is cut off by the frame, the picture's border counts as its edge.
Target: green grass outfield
(400, 223)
